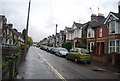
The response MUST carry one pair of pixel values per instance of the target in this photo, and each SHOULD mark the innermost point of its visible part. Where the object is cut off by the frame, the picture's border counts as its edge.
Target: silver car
(61, 51)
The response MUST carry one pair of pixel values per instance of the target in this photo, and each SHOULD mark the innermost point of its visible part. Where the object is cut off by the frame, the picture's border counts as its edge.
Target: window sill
(113, 33)
(90, 37)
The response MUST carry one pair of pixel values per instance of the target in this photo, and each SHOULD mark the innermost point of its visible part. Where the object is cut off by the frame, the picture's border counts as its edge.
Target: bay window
(114, 46)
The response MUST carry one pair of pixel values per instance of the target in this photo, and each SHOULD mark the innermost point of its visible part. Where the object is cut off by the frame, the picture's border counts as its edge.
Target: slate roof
(94, 24)
(116, 14)
(78, 25)
(68, 29)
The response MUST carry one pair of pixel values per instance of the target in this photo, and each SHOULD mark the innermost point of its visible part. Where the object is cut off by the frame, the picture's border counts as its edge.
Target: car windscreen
(84, 51)
(62, 49)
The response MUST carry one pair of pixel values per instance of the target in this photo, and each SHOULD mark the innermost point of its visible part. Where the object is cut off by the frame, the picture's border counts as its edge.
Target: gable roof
(78, 25)
(116, 15)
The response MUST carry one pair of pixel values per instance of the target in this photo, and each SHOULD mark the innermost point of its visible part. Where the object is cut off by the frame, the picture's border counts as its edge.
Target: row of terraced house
(100, 34)
(8, 34)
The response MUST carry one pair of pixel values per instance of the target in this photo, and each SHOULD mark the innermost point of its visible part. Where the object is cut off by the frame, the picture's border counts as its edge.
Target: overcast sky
(45, 14)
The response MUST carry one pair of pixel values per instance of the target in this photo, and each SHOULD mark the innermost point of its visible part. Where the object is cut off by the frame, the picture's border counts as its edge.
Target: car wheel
(88, 62)
(59, 54)
(67, 57)
(76, 60)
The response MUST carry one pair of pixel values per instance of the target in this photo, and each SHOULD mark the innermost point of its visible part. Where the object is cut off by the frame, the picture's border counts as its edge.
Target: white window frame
(116, 28)
(91, 44)
(7, 31)
(91, 32)
(115, 46)
(100, 32)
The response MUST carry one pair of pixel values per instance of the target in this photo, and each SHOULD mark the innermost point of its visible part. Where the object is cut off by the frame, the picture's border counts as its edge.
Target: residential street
(42, 65)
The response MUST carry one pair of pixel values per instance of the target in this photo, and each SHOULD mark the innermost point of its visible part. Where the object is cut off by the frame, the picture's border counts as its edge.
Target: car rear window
(84, 51)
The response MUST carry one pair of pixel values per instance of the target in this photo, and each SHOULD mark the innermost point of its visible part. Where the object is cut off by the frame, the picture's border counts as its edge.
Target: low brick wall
(11, 71)
(115, 59)
(97, 58)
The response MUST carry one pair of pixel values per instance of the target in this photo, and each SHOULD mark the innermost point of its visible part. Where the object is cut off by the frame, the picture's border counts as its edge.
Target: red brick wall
(99, 39)
(104, 32)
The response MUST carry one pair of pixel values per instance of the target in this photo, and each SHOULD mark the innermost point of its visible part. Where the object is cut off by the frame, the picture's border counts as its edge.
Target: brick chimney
(94, 17)
(119, 7)
(101, 17)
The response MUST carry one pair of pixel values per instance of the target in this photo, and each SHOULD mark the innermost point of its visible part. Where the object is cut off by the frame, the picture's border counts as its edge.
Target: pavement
(116, 69)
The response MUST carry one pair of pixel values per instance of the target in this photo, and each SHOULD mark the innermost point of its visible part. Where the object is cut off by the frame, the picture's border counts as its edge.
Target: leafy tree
(67, 45)
(23, 33)
(30, 41)
(83, 43)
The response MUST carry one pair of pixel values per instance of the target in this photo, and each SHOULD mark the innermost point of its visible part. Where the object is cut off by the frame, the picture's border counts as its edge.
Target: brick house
(20, 38)
(95, 22)
(113, 25)
(77, 33)
(101, 40)
(8, 35)
(61, 37)
(68, 34)
(3, 22)
(107, 38)
(44, 41)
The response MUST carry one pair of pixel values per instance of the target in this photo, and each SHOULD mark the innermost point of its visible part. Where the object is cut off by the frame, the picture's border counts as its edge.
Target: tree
(23, 34)
(83, 43)
(30, 41)
(67, 45)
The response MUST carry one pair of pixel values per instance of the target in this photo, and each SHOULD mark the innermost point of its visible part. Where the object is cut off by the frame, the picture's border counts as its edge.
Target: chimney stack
(119, 7)
(94, 17)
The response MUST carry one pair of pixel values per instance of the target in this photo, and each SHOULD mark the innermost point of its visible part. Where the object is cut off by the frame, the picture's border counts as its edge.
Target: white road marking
(117, 73)
(52, 68)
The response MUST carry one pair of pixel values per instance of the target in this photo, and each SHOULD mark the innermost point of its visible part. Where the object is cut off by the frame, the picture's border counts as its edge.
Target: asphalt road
(40, 64)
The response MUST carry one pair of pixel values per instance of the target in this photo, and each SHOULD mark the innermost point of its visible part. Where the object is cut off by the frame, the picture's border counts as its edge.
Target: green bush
(50, 45)
(18, 53)
(6, 64)
(67, 45)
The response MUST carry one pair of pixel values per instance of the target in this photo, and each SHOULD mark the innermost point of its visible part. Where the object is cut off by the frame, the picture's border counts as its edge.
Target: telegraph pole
(26, 33)
(56, 35)
(26, 36)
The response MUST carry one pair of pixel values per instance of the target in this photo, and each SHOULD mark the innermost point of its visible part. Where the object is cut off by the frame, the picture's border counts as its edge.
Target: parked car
(49, 48)
(53, 50)
(61, 51)
(79, 54)
(45, 48)
(41, 46)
